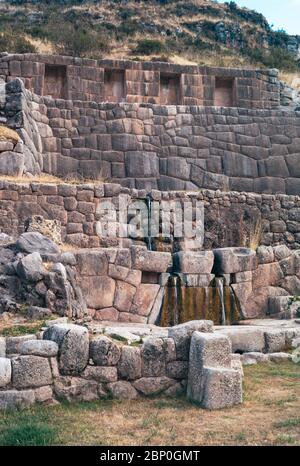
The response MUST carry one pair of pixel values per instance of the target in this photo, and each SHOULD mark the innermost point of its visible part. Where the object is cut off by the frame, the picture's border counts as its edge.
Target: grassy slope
(185, 29)
(268, 416)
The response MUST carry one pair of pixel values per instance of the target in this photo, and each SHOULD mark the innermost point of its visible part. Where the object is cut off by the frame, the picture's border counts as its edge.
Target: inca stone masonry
(150, 125)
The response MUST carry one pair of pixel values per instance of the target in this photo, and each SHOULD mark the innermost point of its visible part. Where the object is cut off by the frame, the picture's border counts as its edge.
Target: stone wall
(67, 365)
(160, 147)
(230, 218)
(143, 82)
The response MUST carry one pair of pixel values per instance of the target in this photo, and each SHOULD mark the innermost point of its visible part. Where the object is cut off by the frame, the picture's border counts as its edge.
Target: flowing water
(181, 303)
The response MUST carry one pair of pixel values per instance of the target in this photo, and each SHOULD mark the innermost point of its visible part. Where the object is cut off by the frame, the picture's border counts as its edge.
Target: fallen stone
(35, 242)
(38, 313)
(31, 268)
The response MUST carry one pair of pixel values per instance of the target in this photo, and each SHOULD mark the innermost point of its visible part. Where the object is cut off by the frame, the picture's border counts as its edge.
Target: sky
(283, 14)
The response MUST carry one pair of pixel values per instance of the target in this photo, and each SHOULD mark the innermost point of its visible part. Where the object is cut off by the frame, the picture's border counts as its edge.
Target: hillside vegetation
(190, 31)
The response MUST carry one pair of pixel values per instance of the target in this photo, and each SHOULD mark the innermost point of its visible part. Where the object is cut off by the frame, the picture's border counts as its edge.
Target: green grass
(268, 416)
(27, 428)
(293, 422)
(19, 330)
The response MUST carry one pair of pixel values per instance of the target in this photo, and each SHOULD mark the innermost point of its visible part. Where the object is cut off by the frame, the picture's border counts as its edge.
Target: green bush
(149, 46)
(274, 58)
(73, 39)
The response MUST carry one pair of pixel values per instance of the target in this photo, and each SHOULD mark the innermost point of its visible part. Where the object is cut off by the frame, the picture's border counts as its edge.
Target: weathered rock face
(212, 382)
(49, 228)
(24, 280)
(181, 334)
(31, 242)
(16, 398)
(30, 371)
(5, 372)
(104, 352)
(73, 343)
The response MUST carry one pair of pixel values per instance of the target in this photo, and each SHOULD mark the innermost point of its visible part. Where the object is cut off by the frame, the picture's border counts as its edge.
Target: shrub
(149, 46)
(15, 42)
(274, 58)
(71, 39)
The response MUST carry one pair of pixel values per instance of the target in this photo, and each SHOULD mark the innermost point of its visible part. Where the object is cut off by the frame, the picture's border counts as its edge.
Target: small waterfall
(149, 238)
(182, 303)
(220, 288)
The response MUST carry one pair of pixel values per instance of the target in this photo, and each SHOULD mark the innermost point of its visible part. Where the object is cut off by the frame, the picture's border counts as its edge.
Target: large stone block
(104, 351)
(11, 163)
(92, 263)
(30, 372)
(130, 363)
(5, 372)
(31, 242)
(104, 374)
(153, 357)
(182, 334)
(200, 262)
(31, 267)
(2, 347)
(77, 389)
(232, 260)
(144, 298)
(275, 341)
(16, 398)
(211, 381)
(122, 390)
(245, 340)
(73, 343)
(141, 164)
(13, 343)
(153, 385)
(98, 291)
(43, 348)
(150, 261)
(222, 388)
